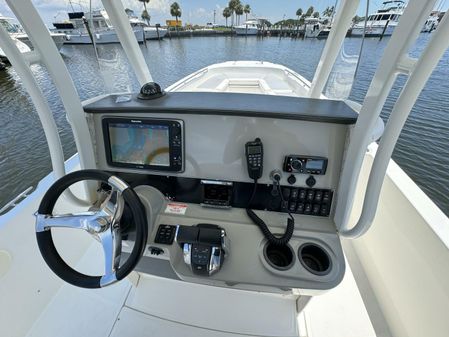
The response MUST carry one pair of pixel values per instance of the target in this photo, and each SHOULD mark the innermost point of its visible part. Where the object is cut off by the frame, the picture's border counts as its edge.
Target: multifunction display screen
(140, 144)
(144, 143)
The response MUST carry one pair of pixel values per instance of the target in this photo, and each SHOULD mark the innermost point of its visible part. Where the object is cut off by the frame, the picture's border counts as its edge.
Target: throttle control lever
(204, 247)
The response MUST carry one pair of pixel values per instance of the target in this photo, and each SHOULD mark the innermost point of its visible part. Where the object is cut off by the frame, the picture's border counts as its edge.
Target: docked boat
(431, 24)
(381, 23)
(82, 27)
(151, 33)
(250, 27)
(16, 32)
(240, 201)
(22, 47)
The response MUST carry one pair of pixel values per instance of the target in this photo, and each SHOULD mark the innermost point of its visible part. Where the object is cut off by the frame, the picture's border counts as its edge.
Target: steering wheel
(102, 222)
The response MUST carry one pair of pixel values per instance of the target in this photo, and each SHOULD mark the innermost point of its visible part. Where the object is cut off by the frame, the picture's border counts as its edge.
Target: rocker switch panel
(165, 234)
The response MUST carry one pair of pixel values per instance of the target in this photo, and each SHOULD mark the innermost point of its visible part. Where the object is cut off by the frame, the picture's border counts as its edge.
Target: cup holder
(315, 259)
(279, 257)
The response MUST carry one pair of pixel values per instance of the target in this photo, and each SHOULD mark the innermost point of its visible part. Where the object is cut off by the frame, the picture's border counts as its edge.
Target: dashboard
(188, 153)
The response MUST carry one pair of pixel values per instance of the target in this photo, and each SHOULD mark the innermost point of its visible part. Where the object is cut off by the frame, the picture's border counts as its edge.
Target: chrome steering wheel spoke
(102, 222)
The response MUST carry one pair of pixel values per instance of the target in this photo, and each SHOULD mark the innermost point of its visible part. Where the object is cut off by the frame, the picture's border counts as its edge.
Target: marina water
(422, 150)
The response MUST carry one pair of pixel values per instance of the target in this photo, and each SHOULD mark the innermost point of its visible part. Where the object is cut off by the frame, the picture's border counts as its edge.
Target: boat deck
(148, 305)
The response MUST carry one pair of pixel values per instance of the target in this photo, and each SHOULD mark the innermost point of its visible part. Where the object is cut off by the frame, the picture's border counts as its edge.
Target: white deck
(245, 77)
(157, 306)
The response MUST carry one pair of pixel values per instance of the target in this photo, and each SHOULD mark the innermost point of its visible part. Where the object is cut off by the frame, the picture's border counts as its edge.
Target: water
(422, 150)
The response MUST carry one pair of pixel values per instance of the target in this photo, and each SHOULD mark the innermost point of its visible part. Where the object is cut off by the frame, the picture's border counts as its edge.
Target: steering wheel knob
(102, 222)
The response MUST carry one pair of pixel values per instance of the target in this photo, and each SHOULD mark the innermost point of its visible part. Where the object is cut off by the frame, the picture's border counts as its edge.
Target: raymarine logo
(134, 121)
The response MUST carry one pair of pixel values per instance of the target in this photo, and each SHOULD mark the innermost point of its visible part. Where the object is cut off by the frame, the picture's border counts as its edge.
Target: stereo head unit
(152, 144)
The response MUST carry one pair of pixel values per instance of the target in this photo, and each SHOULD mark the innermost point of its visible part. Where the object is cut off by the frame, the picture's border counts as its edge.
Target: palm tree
(175, 11)
(299, 14)
(328, 11)
(239, 11)
(232, 5)
(147, 16)
(310, 11)
(316, 15)
(227, 13)
(247, 10)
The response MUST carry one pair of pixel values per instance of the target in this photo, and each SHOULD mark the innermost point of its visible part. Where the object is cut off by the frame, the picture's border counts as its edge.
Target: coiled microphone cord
(271, 238)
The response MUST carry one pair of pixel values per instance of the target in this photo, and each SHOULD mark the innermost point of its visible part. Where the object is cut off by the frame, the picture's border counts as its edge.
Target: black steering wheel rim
(47, 246)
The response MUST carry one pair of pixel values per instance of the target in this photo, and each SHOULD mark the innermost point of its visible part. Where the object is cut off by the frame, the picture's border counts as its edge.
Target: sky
(194, 11)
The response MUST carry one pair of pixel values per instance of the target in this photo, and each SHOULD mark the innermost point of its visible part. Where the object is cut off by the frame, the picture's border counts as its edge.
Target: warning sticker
(176, 209)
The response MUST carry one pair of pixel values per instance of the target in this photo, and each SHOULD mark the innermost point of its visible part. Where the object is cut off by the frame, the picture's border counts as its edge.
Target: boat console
(231, 190)
(209, 168)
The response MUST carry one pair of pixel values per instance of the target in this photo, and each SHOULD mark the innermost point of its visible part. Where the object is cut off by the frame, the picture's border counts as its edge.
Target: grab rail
(40, 37)
(22, 68)
(423, 68)
(394, 61)
(14, 201)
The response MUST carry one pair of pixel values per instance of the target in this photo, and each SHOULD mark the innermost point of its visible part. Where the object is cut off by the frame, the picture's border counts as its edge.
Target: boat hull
(23, 48)
(373, 31)
(246, 31)
(58, 38)
(104, 37)
(151, 33)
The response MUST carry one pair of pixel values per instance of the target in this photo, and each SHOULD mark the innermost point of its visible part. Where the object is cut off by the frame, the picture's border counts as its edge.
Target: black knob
(151, 90)
(291, 179)
(296, 164)
(310, 181)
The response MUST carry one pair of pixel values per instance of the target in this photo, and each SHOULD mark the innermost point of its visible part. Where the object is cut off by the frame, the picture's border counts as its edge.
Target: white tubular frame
(120, 21)
(49, 55)
(19, 62)
(401, 110)
(46, 52)
(394, 61)
(343, 19)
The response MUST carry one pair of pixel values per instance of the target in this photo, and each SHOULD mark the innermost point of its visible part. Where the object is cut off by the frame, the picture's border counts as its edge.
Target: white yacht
(381, 23)
(250, 27)
(17, 32)
(151, 33)
(240, 201)
(82, 27)
(313, 27)
(431, 24)
(21, 47)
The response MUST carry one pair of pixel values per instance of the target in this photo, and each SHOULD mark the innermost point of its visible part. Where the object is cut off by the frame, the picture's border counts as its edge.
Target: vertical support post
(49, 126)
(120, 21)
(395, 53)
(401, 110)
(40, 37)
(343, 19)
(45, 115)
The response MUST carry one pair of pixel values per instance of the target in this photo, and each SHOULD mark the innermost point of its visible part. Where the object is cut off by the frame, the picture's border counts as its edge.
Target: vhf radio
(254, 158)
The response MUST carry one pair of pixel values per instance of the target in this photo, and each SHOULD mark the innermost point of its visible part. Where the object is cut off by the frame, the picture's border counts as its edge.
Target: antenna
(71, 5)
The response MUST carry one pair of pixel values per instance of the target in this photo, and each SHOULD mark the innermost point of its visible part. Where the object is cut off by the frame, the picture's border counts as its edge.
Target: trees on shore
(175, 10)
(247, 10)
(227, 13)
(145, 15)
(236, 10)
